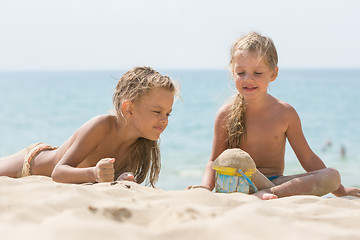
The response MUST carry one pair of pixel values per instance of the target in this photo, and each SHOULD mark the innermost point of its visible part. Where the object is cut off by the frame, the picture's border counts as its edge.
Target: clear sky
(170, 34)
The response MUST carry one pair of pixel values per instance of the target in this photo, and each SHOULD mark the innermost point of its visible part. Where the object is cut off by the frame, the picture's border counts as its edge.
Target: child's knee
(333, 178)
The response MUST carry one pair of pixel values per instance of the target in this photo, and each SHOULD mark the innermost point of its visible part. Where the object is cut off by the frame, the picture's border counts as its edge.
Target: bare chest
(264, 131)
(265, 140)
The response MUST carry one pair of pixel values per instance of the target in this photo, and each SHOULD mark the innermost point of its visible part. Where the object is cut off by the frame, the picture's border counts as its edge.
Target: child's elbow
(55, 175)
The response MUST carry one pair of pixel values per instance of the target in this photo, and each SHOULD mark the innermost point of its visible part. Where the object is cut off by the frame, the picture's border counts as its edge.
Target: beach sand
(35, 207)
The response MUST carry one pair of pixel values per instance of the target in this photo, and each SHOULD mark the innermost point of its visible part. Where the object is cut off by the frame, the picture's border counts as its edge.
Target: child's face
(252, 75)
(151, 113)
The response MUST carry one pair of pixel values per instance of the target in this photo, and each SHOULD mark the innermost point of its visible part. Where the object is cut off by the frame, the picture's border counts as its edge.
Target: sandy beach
(35, 207)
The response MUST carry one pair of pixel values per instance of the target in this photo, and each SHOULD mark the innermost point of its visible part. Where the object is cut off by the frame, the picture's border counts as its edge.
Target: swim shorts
(273, 177)
(30, 152)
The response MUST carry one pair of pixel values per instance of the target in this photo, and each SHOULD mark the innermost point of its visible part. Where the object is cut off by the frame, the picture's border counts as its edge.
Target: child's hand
(197, 186)
(126, 176)
(104, 170)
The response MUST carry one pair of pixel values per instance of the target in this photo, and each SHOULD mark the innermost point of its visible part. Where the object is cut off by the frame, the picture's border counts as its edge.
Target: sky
(171, 34)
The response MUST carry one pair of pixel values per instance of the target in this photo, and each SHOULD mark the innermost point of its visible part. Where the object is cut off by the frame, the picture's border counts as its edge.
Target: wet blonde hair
(265, 48)
(144, 154)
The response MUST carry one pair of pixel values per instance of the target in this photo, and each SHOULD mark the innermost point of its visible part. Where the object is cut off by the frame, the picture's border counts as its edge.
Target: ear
(274, 74)
(127, 108)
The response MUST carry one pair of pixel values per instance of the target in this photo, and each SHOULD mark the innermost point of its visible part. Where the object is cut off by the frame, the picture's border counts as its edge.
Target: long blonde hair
(265, 48)
(144, 154)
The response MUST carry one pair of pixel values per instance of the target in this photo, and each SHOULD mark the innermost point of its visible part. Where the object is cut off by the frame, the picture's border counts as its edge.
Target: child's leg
(316, 183)
(11, 166)
(260, 181)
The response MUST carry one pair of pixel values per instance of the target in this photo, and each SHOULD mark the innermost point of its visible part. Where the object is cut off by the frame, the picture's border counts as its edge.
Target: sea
(49, 106)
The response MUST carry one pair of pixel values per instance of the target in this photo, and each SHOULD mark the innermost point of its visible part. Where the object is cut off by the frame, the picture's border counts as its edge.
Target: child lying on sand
(106, 148)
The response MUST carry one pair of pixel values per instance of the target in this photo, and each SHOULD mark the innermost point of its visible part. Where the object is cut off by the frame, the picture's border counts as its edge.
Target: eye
(258, 73)
(240, 73)
(156, 112)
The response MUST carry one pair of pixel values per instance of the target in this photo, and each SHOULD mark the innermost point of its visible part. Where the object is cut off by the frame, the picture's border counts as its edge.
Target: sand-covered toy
(234, 168)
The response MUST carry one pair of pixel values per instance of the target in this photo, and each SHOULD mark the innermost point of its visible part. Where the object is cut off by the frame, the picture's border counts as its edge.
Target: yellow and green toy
(234, 168)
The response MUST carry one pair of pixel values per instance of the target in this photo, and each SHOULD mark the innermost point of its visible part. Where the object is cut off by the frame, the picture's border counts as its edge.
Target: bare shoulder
(104, 120)
(223, 111)
(101, 124)
(284, 107)
(287, 111)
(222, 115)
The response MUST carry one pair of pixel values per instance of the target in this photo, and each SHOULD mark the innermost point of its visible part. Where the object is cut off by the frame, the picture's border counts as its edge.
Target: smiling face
(252, 75)
(151, 112)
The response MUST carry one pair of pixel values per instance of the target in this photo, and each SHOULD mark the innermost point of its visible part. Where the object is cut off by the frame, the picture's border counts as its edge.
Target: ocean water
(50, 106)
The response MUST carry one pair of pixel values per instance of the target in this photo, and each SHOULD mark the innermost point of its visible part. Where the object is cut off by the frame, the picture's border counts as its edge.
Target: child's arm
(86, 140)
(219, 145)
(308, 159)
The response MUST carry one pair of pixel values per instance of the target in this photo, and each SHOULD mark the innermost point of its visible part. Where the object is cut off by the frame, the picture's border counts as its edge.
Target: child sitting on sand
(259, 124)
(110, 147)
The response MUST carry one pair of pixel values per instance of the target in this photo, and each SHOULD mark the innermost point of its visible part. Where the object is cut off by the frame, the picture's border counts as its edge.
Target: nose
(247, 77)
(164, 119)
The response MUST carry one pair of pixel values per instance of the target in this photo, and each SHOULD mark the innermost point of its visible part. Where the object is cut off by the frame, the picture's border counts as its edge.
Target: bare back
(96, 139)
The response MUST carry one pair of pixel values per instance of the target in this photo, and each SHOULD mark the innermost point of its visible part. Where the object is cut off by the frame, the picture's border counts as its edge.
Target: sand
(37, 208)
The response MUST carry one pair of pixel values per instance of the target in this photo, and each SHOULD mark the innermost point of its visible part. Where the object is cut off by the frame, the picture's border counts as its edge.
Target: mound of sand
(235, 158)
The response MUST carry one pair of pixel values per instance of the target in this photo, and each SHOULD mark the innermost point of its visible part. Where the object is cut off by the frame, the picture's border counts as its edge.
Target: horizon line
(167, 69)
